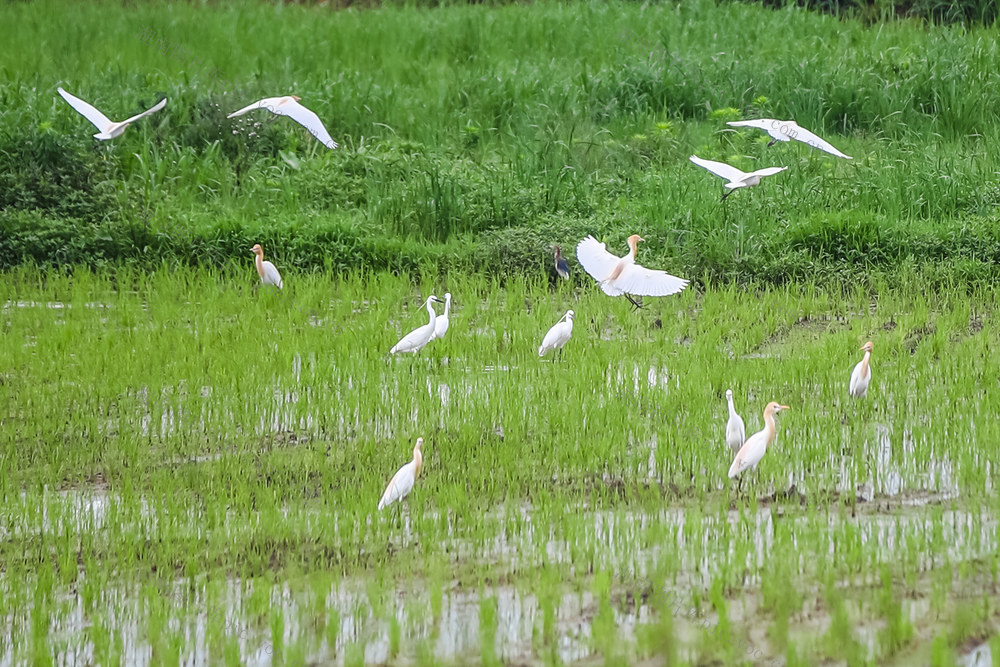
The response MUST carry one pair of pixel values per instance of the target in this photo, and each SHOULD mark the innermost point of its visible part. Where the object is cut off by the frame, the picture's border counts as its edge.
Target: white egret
(786, 130)
(753, 449)
(266, 270)
(621, 275)
(735, 177)
(557, 336)
(736, 431)
(402, 482)
(289, 106)
(862, 373)
(419, 337)
(442, 321)
(562, 267)
(108, 128)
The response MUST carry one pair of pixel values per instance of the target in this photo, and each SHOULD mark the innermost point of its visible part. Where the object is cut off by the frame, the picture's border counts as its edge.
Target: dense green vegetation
(474, 137)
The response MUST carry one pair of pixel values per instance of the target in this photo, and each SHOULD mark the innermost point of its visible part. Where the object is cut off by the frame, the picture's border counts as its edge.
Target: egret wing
(760, 123)
(309, 120)
(641, 281)
(807, 137)
(269, 103)
(722, 169)
(767, 171)
(399, 486)
(595, 259)
(100, 121)
(271, 274)
(159, 105)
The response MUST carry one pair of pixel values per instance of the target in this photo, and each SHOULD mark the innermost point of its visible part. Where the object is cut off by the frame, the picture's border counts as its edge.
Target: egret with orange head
(266, 270)
(862, 373)
(754, 448)
(621, 275)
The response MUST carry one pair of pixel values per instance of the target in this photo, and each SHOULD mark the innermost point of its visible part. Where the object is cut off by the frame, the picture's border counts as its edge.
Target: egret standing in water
(441, 322)
(268, 273)
(419, 337)
(562, 267)
(621, 275)
(862, 373)
(736, 431)
(557, 336)
(753, 449)
(402, 482)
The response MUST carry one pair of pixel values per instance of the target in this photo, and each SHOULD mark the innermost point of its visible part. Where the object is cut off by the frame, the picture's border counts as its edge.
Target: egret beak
(784, 407)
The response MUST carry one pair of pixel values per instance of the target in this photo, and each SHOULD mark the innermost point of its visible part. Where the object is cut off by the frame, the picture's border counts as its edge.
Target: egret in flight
(402, 482)
(441, 322)
(621, 275)
(562, 267)
(736, 431)
(736, 178)
(786, 130)
(266, 270)
(558, 335)
(862, 373)
(289, 106)
(753, 449)
(419, 337)
(108, 128)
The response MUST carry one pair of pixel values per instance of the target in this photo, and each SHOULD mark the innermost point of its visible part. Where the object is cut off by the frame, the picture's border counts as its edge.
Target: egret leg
(726, 195)
(773, 142)
(633, 301)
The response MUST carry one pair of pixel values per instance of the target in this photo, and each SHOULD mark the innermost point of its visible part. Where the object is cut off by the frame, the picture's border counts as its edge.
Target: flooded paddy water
(190, 470)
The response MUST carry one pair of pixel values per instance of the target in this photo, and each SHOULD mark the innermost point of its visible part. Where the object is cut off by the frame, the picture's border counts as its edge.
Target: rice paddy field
(190, 464)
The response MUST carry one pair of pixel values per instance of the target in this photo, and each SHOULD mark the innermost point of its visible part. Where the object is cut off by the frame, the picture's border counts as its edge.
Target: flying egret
(266, 270)
(753, 449)
(419, 337)
(442, 321)
(557, 336)
(786, 130)
(736, 432)
(862, 373)
(562, 267)
(402, 482)
(289, 106)
(621, 275)
(108, 128)
(735, 177)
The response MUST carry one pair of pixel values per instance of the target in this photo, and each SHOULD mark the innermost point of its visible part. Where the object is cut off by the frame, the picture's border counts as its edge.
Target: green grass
(474, 137)
(189, 455)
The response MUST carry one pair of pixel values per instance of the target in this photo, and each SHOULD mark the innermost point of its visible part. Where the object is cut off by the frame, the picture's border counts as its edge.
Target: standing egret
(419, 337)
(786, 130)
(735, 177)
(562, 267)
(557, 336)
(402, 482)
(621, 275)
(289, 106)
(736, 431)
(108, 128)
(266, 270)
(753, 449)
(441, 322)
(862, 373)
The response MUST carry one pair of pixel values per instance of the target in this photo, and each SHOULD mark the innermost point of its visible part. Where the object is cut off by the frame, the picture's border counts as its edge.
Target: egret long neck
(430, 312)
(447, 307)
(732, 408)
(418, 461)
(259, 261)
(632, 248)
(865, 363)
(769, 426)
